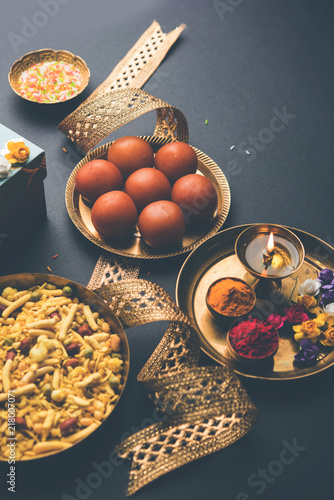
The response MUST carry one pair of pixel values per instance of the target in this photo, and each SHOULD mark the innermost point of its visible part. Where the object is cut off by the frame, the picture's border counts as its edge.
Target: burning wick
(269, 252)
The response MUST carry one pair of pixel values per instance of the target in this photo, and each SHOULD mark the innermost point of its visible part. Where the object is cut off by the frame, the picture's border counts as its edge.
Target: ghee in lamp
(273, 257)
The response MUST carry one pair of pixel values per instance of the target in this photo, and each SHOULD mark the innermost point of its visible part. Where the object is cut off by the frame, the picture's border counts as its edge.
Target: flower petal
(305, 343)
(11, 145)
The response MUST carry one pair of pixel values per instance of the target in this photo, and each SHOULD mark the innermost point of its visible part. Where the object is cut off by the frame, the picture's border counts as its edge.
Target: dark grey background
(233, 65)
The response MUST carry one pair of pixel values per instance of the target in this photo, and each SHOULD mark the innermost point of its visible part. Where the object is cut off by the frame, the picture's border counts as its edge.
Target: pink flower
(296, 314)
(276, 320)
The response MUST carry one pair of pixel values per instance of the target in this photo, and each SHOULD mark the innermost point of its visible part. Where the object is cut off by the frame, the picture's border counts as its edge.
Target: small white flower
(4, 167)
(329, 309)
(309, 287)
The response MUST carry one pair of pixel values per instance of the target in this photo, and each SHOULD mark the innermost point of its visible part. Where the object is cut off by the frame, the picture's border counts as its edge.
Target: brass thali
(216, 258)
(135, 247)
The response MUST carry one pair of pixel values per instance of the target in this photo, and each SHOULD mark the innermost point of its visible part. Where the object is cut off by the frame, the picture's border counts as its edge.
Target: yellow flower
(329, 337)
(18, 152)
(329, 320)
(308, 330)
(326, 319)
(323, 317)
(307, 301)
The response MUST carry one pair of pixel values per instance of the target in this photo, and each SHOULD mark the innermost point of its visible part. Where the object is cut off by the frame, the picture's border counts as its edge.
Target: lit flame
(270, 244)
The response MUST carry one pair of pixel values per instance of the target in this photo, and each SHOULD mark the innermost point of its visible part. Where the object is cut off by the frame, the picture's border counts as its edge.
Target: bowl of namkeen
(64, 362)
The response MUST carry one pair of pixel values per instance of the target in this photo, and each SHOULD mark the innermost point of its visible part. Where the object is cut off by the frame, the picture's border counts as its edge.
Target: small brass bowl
(245, 360)
(220, 316)
(46, 55)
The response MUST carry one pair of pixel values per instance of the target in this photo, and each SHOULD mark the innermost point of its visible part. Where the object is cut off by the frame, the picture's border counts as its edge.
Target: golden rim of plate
(138, 249)
(45, 55)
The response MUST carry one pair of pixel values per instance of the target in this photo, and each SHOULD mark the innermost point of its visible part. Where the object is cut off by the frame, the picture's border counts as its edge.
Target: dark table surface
(236, 65)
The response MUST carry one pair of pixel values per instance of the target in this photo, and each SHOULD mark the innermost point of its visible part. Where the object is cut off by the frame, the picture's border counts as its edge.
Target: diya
(269, 253)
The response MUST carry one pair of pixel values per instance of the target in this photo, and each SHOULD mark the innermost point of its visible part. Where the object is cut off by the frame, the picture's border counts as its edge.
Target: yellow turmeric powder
(231, 297)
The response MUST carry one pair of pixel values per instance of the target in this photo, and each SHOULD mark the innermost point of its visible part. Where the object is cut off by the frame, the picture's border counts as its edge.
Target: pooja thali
(216, 258)
(80, 213)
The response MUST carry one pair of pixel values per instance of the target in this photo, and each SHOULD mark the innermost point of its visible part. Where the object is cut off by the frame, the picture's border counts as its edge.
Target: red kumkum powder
(253, 338)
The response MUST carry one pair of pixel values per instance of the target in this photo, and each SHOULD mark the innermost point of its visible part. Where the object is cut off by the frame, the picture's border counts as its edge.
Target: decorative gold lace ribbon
(111, 269)
(205, 408)
(119, 99)
(142, 60)
(104, 114)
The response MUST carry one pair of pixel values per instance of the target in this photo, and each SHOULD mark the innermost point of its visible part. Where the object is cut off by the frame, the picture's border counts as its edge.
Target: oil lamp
(269, 253)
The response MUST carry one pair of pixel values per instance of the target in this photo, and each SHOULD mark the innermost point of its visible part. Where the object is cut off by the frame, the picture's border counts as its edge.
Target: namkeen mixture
(50, 81)
(61, 364)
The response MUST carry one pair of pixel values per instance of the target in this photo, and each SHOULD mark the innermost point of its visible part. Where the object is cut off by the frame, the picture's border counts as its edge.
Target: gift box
(22, 199)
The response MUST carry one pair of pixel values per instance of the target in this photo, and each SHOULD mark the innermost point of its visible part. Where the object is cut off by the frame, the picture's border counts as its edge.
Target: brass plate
(136, 248)
(45, 55)
(216, 258)
(25, 280)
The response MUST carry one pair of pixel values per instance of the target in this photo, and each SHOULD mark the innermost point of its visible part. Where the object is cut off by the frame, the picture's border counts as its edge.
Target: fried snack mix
(62, 364)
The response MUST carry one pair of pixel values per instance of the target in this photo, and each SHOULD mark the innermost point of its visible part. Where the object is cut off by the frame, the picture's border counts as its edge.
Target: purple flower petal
(327, 298)
(308, 353)
(304, 343)
(328, 287)
(326, 276)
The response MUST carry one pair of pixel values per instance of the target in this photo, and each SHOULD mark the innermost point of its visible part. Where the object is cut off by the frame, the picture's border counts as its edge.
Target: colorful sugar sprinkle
(50, 81)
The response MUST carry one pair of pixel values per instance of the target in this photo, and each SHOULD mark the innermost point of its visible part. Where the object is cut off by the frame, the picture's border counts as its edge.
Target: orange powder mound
(230, 297)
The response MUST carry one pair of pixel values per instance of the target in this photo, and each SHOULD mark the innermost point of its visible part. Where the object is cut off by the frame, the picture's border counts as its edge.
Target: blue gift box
(22, 199)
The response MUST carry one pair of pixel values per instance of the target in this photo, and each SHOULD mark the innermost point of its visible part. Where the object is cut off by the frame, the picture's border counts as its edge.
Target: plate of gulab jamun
(147, 197)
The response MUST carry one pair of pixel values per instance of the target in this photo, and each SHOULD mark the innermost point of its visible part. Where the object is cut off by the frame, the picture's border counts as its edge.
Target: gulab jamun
(197, 197)
(96, 178)
(146, 186)
(175, 160)
(114, 215)
(161, 224)
(130, 153)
